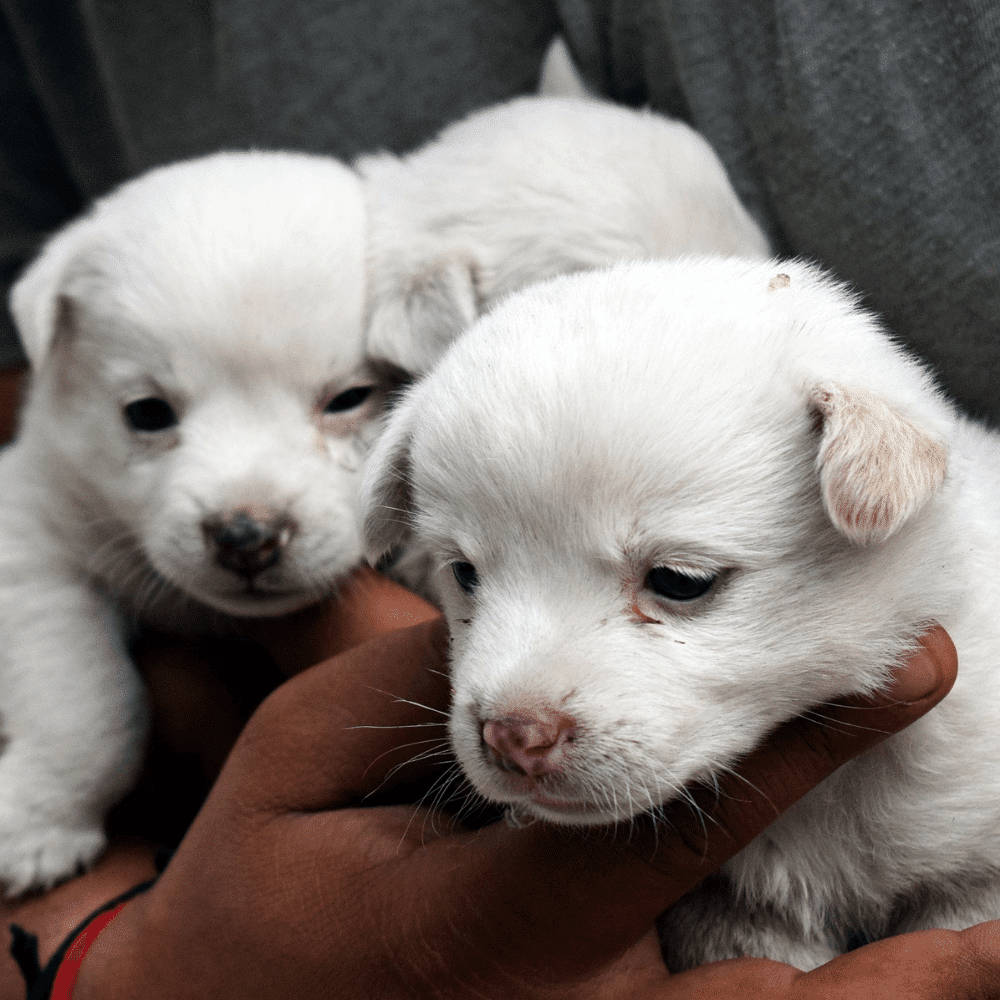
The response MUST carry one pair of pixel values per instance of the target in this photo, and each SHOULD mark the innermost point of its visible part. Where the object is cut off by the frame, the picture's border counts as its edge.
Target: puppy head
(200, 378)
(669, 508)
(527, 190)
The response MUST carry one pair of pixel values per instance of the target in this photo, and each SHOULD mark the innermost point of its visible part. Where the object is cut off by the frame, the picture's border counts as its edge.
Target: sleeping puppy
(526, 190)
(671, 505)
(188, 455)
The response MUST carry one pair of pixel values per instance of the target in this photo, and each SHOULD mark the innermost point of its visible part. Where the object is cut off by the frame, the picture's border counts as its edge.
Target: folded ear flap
(560, 76)
(410, 327)
(877, 467)
(385, 502)
(36, 301)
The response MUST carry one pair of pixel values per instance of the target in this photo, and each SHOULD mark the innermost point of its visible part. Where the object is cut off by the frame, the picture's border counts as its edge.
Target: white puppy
(188, 453)
(672, 505)
(525, 190)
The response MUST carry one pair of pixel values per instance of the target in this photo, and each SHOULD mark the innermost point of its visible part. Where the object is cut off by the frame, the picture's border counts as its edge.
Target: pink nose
(533, 743)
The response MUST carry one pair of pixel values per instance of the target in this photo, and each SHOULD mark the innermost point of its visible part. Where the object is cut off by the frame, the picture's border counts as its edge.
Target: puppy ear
(560, 76)
(385, 501)
(412, 326)
(877, 468)
(39, 308)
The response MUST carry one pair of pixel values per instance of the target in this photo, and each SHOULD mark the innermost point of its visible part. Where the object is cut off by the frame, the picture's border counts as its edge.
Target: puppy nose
(532, 743)
(248, 541)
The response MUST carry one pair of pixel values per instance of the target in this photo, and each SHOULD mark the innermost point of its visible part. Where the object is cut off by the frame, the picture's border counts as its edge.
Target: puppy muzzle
(248, 542)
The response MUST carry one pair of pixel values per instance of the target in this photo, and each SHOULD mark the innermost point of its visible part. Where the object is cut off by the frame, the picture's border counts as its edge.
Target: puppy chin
(289, 586)
(568, 812)
(554, 799)
(255, 599)
(260, 603)
(528, 803)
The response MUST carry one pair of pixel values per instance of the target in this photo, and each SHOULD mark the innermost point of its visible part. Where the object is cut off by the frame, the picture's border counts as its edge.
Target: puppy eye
(349, 399)
(465, 575)
(678, 586)
(150, 414)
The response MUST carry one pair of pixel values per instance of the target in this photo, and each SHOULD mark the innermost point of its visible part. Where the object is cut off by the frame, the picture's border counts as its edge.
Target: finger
(367, 605)
(640, 973)
(193, 711)
(645, 954)
(926, 965)
(750, 977)
(12, 383)
(336, 733)
(556, 894)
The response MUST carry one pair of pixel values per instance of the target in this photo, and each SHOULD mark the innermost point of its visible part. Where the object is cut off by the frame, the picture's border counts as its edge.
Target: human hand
(12, 383)
(291, 884)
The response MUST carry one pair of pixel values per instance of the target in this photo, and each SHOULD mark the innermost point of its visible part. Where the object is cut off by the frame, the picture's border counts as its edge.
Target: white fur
(730, 418)
(230, 287)
(525, 190)
(560, 76)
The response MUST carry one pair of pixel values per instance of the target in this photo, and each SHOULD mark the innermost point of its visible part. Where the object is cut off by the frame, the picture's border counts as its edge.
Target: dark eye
(348, 399)
(466, 576)
(150, 414)
(678, 586)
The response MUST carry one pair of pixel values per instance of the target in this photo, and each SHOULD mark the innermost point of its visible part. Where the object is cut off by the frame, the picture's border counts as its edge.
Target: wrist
(64, 983)
(111, 966)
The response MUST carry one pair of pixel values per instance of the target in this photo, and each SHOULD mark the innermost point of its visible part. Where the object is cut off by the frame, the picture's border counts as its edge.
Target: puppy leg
(711, 923)
(954, 904)
(73, 720)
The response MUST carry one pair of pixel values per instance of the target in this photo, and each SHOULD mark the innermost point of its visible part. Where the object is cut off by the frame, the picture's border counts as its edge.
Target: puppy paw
(37, 856)
(713, 923)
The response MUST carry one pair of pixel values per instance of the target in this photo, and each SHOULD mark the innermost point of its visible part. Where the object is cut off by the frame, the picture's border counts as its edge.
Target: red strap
(69, 968)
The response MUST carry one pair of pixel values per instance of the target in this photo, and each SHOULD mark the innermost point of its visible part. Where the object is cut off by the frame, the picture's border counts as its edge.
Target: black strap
(24, 950)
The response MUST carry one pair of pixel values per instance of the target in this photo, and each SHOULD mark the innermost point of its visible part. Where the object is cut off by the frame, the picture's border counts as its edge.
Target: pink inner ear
(877, 468)
(863, 518)
(64, 321)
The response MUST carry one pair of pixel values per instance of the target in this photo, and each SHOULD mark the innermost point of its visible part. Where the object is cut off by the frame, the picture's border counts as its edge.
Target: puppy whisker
(424, 755)
(405, 725)
(840, 725)
(397, 700)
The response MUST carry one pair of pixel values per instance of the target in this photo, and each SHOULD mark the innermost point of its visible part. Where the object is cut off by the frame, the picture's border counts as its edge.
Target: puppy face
(669, 509)
(201, 382)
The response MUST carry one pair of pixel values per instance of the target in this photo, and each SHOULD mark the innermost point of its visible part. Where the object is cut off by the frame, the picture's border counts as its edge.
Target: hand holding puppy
(292, 883)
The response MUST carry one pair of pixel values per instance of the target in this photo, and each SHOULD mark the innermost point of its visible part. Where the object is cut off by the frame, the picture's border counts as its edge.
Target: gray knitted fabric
(863, 134)
(95, 91)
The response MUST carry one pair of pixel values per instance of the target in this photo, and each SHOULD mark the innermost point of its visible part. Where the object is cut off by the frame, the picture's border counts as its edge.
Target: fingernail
(919, 678)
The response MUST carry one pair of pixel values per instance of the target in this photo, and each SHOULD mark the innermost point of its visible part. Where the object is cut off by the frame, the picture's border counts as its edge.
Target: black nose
(246, 543)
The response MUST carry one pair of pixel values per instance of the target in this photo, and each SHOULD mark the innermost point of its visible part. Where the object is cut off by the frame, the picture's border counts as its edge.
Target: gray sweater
(864, 135)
